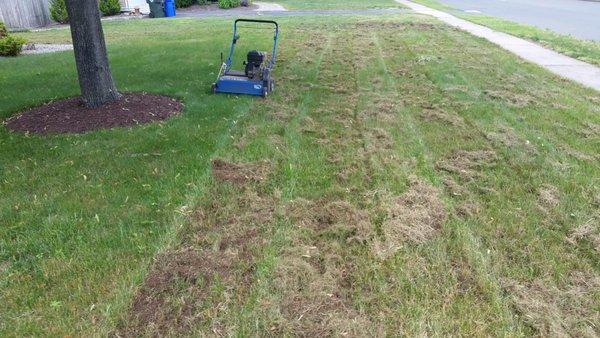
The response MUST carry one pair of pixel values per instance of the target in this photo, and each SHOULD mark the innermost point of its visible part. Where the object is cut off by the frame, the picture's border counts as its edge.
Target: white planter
(130, 5)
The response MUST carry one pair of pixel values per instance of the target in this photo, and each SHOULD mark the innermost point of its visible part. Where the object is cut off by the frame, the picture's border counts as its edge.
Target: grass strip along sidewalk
(584, 50)
(391, 185)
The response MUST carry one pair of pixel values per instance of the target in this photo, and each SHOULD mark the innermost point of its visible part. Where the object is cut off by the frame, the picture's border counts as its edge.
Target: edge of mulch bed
(70, 116)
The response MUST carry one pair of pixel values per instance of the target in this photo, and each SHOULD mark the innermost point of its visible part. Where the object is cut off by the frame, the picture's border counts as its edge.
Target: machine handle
(259, 21)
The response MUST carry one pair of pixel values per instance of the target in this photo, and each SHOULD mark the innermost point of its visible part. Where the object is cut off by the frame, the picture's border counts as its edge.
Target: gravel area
(42, 48)
(214, 10)
(269, 7)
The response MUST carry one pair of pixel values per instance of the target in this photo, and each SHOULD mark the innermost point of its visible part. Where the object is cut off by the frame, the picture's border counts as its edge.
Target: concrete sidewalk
(567, 67)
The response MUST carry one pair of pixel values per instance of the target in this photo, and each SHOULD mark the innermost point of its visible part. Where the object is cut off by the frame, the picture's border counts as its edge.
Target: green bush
(184, 3)
(11, 46)
(58, 11)
(3, 30)
(110, 7)
(229, 3)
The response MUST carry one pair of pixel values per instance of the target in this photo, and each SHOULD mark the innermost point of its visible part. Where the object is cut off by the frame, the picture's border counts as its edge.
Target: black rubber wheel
(213, 88)
(271, 85)
(265, 92)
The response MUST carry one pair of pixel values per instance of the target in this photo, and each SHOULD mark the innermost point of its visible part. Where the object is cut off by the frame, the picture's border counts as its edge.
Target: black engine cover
(254, 62)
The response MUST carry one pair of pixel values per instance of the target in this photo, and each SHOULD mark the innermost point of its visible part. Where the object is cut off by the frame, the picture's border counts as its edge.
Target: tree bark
(95, 79)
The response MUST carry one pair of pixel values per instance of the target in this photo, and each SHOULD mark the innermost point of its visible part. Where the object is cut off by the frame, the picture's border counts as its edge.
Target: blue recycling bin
(169, 8)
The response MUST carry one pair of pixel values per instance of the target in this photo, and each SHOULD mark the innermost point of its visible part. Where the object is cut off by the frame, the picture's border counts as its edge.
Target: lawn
(584, 50)
(336, 4)
(418, 183)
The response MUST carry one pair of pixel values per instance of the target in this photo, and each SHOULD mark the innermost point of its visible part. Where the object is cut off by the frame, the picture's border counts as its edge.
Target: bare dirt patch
(239, 173)
(558, 311)
(416, 216)
(213, 264)
(71, 116)
(162, 306)
(467, 164)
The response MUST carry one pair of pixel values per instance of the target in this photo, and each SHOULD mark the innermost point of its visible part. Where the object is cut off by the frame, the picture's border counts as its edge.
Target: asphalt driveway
(575, 17)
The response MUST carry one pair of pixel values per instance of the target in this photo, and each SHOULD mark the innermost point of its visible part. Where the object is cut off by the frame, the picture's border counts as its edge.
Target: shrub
(110, 7)
(11, 46)
(184, 3)
(58, 11)
(3, 30)
(229, 3)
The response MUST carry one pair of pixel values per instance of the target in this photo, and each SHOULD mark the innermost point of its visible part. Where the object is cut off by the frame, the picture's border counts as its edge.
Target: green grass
(336, 4)
(584, 50)
(357, 116)
(80, 213)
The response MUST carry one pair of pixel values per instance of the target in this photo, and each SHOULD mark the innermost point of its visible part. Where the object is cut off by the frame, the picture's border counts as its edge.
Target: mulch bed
(71, 116)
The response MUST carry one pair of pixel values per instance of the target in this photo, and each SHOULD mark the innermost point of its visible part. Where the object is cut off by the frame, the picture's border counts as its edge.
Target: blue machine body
(239, 85)
(238, 82)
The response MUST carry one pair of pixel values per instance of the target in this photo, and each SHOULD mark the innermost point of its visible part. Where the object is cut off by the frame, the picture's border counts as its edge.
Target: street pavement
(574, 17)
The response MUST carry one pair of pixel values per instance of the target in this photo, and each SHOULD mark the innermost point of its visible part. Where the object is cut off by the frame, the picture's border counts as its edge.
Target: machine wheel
(271, 85)
(265, 92)
(213, 88)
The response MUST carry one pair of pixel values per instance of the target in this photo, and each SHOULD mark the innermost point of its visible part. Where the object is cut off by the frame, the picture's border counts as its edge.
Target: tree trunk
(95, 78)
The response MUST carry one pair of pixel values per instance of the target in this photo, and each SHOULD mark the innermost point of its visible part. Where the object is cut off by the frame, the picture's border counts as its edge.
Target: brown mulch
(71, 116)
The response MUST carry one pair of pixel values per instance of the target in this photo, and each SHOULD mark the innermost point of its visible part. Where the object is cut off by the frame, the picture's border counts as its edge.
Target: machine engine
(254, 63)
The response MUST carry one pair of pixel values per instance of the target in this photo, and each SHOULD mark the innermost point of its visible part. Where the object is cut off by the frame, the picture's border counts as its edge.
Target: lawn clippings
(558, 311)
(239, 173)
(313, 274)
(313, 303)
(330, 215)
(416, 216)
(439, 115)
(455, 189)
(510, 98)
(508, 138)
(579, 155)
(548, 197)
(589, 230)
(468, 165)
(590, 130)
